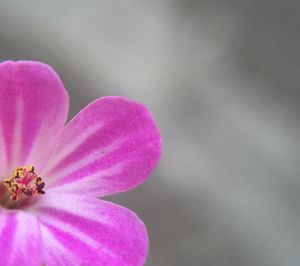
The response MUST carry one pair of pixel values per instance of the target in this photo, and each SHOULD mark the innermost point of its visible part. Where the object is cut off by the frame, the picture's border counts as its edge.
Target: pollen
(24, 181)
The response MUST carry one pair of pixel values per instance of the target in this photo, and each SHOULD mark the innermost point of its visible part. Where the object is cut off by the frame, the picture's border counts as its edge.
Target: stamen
(24, 181)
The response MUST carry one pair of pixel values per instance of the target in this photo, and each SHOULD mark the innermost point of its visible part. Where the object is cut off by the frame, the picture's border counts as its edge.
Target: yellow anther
(24, 181)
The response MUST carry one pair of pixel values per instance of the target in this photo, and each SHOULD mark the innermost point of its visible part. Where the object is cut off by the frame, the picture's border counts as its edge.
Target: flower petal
(33, 111)
(86, 231)
(20, 242)
(110, 146)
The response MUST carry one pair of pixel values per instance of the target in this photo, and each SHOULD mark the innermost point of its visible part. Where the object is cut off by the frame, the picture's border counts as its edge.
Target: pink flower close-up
(53, 174)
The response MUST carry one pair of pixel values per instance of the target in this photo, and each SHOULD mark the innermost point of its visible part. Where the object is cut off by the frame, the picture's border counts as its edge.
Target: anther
(24, 181)
(27, 191)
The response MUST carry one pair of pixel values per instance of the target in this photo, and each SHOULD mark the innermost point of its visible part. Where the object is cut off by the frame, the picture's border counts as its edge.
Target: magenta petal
(86, 231)
(20, 242)
(33, 110)
(110, 146)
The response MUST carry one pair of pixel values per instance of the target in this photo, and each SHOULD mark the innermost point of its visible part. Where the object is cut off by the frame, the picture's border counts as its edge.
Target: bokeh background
(222, 79)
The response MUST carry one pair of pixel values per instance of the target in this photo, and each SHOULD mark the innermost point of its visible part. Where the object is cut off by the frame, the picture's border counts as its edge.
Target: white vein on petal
(39, 144)
(72, 144)
(14, 248)
(88, 183)
(59, 249)
(87, 160)
(22, 235)
(17, 135)
(75, 232)
(74, 204)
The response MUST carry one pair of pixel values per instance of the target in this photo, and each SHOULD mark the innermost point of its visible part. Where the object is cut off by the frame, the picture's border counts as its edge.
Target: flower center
(23, 183)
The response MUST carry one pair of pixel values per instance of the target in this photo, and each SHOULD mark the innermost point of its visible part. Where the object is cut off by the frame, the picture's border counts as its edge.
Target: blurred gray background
(222, 79)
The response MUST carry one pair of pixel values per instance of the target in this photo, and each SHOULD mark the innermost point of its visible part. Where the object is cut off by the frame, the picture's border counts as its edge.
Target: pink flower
(51, 214)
